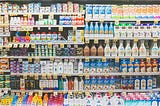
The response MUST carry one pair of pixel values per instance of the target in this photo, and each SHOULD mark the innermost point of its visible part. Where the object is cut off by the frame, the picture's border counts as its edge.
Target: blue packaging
(118, 83)
(93, 66)
(100, 83)
(116, 67)
(102, 11)
(93, 83)
(106, 67)
(106, 82)
(124, 83)
(159, 65)
(154, 101)
(130, 83)
(111, 65)
(89, 11)
(123, 65)
(99, 66)
(86, 67)
(112, 83)
(108, 11)
(95, 11)
(87, 84)
(136, 65)
(149, 82)
(129, 66)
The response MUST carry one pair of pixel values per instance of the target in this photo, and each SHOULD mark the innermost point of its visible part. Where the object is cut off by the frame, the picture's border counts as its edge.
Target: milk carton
(89, 11)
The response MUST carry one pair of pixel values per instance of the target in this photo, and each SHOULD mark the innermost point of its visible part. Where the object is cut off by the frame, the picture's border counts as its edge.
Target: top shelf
(48, 13)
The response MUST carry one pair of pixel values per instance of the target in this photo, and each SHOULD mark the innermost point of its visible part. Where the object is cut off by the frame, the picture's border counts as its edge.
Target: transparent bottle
(121, 49)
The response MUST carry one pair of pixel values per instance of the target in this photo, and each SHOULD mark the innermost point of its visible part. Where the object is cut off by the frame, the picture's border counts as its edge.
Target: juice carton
(136, 83)
(124, 83)
(125, 11)
(100, 83)
(86, 67)
(123, 65)
(130, 66)
(136, 65)
(108, 11)
(93, 83)
(138, 11)
(89, 11)
(106, 67)
(132, 11)
(112, 83)
(114, 11)
(130, 83)
(156, 11)
(150, 11)
(93, 65)
(99, 66)
(130, 30)
(147, 30)
(144, 11)
(106, 83)
(102, 11)
(95, 11)
(87, 83)
(143, 83)
(117, 31)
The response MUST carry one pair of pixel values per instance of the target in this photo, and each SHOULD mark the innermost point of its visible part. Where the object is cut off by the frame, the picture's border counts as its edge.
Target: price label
(110, 92)
(104, 59)
(115, 39)
(30, 28)
(82, 38)
(60, 28)
(24, 76)
(117, 59)
(135, 39)
(95, 40)
(43, 76)
(132, 59)
(87, 59)
(74, 28)
(27, 45)
(33, 46)
(155, 21)
(87, 93)
(148, 59)
(36, 77)
(40, 93)
(101, 20)
(37, 59)
(61, 45)
(116, 22)
(21, 45)
(55, 76)
(81, 75)
(39, 28)
(29, 15)
(15, 45)
(49, 28)
(86, 40)
(0, 47)
(63, 75)
(52, 58)
(87, 76)
(40, 16)
(10, 45)
(50, 45)
(138, 22)
(25, 15)
(155, 39)
(29, 59)
(87, 20)
(106, 74)
(51, 15)
(74, 38)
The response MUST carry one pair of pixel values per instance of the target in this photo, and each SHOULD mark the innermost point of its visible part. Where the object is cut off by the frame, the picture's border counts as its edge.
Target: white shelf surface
(43, 13)
(80, 57)
(45, 43)
(55, 26)
(116, 90)
(126, 19)
(4, 70)
(107, 36)
(94, 74)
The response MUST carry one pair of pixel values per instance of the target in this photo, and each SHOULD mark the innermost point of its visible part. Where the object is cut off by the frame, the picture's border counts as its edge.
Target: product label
(130, 67)
(143, 84)
(137, 84)
(124, 67)
(99, 67)
(93, 67)
(86, 67)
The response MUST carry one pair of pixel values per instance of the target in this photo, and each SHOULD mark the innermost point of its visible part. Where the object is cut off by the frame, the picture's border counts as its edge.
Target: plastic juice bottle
(154, 51)
(65, 66)
(45, 100)
(65, 100)
(100, 50)
(70, 84)
(75, 84)
(130, 66)
(121, 49)
(70, 67)
(154, 65)
(142, 66)
(50, 101)
(96, 28)
(114, 49)
(60, 67)
(111, 28)
(135, 49)
(136, 65)
(101, 28)
(80, 66)
(86, 51)
(86, 28)
(60, 84)
(91, 28)
(106, 28)
(93, 50)
(142, 49)
(128, 49)
(80, 84)
(65, 83)
(107, 49)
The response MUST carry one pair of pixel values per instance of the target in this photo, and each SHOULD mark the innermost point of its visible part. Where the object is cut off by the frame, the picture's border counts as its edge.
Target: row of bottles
(73, 66)
(81, 83)
(114, 50)
(82, 99)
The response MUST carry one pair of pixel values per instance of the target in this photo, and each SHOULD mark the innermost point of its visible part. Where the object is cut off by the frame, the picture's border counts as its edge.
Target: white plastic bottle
(80, 84)
(55, 67)
(65, 66)
(128, 49)
(60, 67)
(142, 49)
(65, 83)
(114, 49)
(107, 49)
(135, 49)
(96, 28)
(76, 83)
(121, 49)
(80, 66)
(70, 67)
(154, 51)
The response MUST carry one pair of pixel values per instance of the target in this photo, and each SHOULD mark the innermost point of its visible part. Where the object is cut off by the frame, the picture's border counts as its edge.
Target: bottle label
(130, 67)
(143, 84)
(137, 84)
(124, 67)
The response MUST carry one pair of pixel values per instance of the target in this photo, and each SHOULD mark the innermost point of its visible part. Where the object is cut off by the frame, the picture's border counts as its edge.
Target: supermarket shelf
(61, 91)
(93, 74)
(132, 20)
(37, 26)
(48, 13)
(4, 35)
(107, 36)
(80, 57)
(45, 43)
(5, 89)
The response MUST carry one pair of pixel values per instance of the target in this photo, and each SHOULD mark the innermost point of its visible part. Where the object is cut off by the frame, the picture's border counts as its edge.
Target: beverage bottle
(76, 83)
(154, 51)
(107, 49)
(65, 100)
(111, 28)
(93, 50)
(55, 67)
(154, 65)
(65, 84)
(75, 64)
(100, 50)
(70, 67)
(60, 84)
(91, 28)
(86, 28)
(128, 49)
(60, 67)
(106, 29)
(142, 49)
(70, 84)
(135, 49)
(65, 66)
(121, 49)
(142, 66)
(86, 51)
(80, 84)
(101, 28)
(114, 49)
(45, 100)
(80, 67)
(96, 28)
